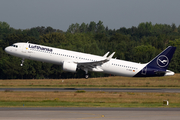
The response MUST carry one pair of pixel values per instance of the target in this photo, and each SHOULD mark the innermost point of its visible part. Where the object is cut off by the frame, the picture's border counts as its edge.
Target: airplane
(71, 61)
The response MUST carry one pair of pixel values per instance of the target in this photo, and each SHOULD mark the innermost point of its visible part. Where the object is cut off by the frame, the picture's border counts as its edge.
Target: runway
(161, 90)
(84, 113)
(58, 113)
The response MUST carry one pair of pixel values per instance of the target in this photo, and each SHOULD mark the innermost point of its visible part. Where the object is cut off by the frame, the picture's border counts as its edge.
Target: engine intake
(69, 66)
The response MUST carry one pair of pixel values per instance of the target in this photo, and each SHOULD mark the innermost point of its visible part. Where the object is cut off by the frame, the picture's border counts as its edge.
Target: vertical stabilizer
(158, 66)
(162, 60)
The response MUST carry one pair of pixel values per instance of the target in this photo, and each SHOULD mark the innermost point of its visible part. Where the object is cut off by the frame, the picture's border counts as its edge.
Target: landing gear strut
(22, 61)
(86, 76)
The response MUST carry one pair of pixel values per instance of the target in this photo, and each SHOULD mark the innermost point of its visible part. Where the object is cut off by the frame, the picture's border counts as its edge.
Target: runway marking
(97, 115)
(82, 113)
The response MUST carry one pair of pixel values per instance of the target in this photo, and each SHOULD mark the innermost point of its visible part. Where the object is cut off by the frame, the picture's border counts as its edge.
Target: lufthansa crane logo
(162, 61)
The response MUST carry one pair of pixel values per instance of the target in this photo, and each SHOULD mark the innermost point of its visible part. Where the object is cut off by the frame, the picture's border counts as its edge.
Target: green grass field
(87, 99)
(116, 81)
(91, 99)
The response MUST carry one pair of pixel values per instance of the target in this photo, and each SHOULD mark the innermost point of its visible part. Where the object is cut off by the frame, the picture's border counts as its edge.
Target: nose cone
(7, 49)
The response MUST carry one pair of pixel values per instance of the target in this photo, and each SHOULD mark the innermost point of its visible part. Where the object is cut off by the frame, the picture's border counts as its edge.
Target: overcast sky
(59, 14)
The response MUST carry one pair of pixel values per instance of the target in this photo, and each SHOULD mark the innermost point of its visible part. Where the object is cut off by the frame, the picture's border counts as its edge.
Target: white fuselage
(72, 60)
(58, 56)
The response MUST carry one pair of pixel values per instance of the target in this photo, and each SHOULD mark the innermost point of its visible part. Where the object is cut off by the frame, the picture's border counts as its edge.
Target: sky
(59, 14)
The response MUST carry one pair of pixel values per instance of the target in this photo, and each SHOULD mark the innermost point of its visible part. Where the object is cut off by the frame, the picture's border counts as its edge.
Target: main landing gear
(86, 76)
(22, 61)
(86, 71)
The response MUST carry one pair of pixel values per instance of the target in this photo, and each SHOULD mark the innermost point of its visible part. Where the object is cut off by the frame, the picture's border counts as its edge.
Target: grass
(83, 104)
(116, 81)
(83, 98)
(87, 99)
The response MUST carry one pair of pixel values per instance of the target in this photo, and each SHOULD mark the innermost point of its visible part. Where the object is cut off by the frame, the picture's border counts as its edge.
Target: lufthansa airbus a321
(71, 60)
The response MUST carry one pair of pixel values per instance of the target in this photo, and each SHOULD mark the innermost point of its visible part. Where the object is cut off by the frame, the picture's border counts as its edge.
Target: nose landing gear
(22, 61)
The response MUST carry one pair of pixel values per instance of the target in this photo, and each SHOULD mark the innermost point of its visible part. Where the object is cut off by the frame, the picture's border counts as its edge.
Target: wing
(91, 65)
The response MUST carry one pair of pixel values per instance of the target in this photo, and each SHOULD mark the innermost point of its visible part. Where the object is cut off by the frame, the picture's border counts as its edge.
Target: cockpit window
(15, 46)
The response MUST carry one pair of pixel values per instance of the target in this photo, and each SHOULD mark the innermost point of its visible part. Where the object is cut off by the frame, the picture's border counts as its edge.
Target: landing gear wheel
(22, 61)
(86, 76)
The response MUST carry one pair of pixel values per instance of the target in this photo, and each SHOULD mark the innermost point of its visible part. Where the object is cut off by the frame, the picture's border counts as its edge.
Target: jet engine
(69, 66)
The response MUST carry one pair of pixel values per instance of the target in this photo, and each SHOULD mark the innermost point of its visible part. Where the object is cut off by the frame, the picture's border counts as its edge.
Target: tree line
(138, 44)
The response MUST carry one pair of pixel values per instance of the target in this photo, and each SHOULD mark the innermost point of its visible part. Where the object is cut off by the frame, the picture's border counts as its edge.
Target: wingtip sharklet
(106, 54)
(111, 56)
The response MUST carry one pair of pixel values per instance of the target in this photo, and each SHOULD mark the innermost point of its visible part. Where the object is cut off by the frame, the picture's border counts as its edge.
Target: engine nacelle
(69, 66)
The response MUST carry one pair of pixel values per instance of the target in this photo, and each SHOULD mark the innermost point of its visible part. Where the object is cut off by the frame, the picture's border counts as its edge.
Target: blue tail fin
(158, 65)
(162, 60)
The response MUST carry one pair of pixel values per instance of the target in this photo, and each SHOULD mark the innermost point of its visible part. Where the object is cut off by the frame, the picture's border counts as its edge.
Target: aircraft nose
(7, 50)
